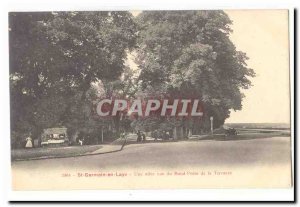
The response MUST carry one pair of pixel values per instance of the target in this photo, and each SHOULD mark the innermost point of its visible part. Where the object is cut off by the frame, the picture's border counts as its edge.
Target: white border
(201, 194)
(71, 5)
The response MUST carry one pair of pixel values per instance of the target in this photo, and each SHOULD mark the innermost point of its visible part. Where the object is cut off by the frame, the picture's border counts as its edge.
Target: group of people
(164, 135)
(141, 136)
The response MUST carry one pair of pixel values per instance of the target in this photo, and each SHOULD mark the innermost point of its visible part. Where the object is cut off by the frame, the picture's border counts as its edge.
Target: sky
(263, 36)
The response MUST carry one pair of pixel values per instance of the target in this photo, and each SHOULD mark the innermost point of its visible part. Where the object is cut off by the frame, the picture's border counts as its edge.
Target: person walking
(29, 142)
(139, 136)
(155, 135)
(123, 135)
(144, 136)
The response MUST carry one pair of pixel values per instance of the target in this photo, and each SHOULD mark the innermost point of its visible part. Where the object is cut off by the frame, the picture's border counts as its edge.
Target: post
(101, 134)
(212, 124)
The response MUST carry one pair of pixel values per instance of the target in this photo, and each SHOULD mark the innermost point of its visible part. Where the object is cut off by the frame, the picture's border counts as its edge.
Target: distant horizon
(257, 123)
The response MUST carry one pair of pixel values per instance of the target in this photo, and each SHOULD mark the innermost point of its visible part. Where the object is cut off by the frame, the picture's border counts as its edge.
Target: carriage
(55, 137)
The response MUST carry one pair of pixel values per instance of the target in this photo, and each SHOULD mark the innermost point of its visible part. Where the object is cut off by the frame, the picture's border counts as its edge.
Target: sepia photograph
(150, 99)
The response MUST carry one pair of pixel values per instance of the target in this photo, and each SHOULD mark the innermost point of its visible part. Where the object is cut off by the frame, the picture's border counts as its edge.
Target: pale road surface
(178, 154)
(256, 163)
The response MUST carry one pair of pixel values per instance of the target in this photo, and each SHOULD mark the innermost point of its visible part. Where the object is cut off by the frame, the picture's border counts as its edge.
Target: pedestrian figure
(80, 142)
(167, 136)
(123, 135)
(163, 135)
(155, 135)
(29, 142)
(144, 137)
(139, 136)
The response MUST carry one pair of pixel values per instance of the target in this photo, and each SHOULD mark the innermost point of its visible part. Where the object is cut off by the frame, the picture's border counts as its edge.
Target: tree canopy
(59, 54)
(61, 63)
(190, 54)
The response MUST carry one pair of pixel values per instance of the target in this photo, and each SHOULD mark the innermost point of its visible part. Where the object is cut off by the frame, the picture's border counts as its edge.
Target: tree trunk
(181, 133)
(175, 133)
(190, 133)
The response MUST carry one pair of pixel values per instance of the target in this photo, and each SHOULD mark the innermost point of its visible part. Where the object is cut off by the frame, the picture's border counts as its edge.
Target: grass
(17, 154)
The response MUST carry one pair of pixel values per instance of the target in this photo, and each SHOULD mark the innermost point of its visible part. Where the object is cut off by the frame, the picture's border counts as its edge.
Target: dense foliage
(188, 54)
(61, 63)
(54, 59)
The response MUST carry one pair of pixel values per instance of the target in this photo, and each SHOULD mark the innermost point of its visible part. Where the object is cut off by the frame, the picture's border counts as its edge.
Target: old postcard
(168, 99)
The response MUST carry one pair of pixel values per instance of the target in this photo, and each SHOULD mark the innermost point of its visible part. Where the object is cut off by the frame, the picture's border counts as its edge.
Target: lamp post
(211, 124)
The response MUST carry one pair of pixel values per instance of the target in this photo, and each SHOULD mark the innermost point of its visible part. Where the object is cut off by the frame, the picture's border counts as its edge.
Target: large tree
(60, 54)
(189, 54)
